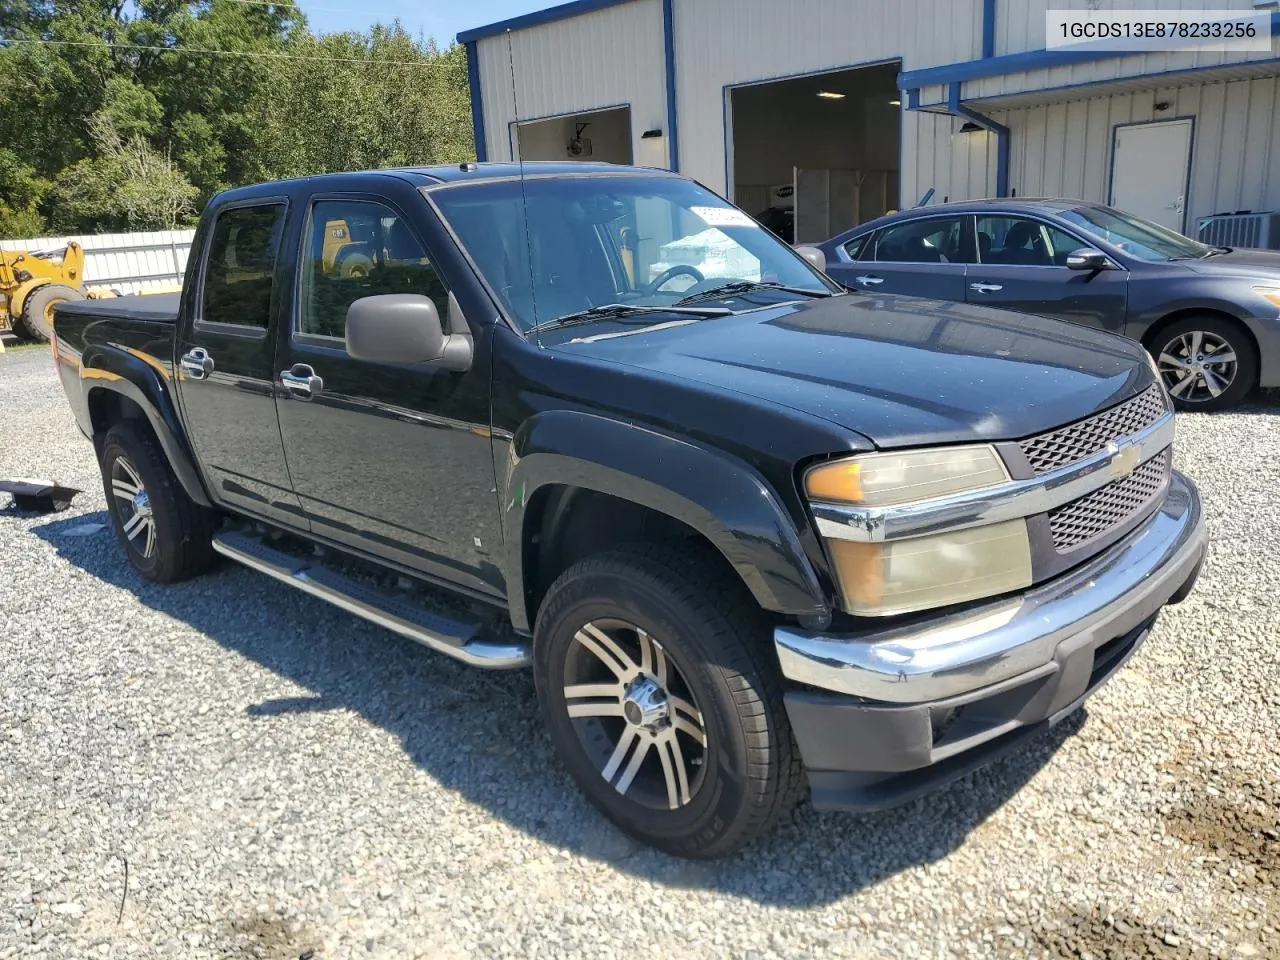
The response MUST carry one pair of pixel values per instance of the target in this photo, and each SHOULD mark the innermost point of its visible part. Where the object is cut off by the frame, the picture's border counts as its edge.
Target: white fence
(127, 262)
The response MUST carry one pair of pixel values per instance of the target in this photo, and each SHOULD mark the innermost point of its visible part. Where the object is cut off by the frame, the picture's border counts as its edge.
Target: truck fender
(722, 498)
(149, 384)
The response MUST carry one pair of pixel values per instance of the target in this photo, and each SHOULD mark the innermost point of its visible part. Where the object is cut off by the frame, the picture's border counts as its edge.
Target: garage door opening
(600, 136)
(818, 154)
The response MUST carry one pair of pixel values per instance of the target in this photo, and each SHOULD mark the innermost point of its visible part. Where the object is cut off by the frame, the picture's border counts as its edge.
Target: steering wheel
(679, 270)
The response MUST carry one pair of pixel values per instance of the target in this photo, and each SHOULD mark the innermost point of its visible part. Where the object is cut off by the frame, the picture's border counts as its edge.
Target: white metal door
(1149, 170)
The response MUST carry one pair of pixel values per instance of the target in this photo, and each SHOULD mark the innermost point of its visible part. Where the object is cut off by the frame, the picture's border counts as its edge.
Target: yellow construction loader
(30, 285)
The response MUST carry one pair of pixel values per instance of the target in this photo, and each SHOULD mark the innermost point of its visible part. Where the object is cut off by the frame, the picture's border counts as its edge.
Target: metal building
(843, 109)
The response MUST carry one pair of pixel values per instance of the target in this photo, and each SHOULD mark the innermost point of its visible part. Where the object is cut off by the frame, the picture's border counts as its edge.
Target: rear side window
(855, 247)
(937, 240)
(360, 248)
(241, 265)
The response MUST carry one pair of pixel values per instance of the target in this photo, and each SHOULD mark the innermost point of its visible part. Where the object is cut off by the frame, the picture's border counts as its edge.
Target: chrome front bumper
(944, 657)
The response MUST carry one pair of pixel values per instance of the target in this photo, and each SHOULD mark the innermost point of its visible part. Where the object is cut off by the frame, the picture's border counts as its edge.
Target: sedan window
(1021, 241)
(935, 240)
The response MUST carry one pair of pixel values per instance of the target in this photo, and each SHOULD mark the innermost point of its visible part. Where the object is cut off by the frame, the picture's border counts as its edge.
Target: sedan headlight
(899, 576)
(1268, 292)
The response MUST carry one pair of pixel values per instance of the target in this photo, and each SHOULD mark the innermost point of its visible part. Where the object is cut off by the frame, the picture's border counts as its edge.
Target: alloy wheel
(635, 715)
(133, 506)
(1197, 366)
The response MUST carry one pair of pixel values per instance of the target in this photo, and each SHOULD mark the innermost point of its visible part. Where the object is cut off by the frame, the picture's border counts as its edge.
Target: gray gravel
(279, 777)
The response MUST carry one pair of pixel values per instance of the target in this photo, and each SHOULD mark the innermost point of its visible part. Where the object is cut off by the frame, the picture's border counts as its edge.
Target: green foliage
(143, 110)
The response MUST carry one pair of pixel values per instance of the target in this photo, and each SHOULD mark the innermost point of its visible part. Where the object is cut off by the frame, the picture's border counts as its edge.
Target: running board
(463, 641)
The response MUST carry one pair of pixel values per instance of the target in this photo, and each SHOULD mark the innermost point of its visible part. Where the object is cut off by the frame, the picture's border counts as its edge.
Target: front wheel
(651, 672)
(1206, 363)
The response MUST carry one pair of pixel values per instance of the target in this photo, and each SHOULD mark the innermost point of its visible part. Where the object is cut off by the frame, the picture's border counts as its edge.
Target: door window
(355, 249)
(1020, 241)
(241, 265)
(935, 240)
(857, 247)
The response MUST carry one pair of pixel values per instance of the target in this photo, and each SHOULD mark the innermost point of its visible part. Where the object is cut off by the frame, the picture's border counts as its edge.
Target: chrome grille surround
(1106, 508)
(1057, 448)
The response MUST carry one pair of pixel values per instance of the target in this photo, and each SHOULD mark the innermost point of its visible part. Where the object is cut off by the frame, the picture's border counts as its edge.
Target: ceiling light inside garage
(829, 95)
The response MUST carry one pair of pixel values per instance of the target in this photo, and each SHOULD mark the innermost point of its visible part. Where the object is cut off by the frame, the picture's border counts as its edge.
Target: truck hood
(901, 371)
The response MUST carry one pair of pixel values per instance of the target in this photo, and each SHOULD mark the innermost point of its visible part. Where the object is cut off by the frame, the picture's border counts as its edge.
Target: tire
(1178, 350)
(354, 265)
(166, 534)
(745, 771)
(36, 321)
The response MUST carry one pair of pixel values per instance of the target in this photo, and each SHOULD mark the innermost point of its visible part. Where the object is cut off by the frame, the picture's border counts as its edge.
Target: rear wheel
(166, 534)
(1206, 363)
(652, 674)
(36, 321)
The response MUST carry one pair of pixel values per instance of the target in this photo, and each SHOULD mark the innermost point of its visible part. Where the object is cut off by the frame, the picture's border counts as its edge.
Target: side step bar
(462, 641)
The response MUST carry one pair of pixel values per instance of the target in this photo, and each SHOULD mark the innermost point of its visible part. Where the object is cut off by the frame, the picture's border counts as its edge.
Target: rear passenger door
(226, 365)
(1022, 267)
(392, 460)
(924, 257)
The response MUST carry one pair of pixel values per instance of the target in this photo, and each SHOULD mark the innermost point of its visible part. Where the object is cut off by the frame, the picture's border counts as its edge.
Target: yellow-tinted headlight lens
(884, 479)
(899, 576)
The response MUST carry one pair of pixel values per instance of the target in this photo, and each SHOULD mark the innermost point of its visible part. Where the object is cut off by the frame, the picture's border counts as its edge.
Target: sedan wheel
(1198, 366)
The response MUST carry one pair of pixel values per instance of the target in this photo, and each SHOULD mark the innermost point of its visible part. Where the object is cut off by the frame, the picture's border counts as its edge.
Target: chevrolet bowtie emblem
(1124, 459)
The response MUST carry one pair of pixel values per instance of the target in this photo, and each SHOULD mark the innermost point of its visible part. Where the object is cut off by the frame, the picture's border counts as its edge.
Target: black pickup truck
(751, 532)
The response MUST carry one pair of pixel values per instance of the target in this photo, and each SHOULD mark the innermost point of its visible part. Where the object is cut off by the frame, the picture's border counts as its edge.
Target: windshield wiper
(747, 286)
(621, 311)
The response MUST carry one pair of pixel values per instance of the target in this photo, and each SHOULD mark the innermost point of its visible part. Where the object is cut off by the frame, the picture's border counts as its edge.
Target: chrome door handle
(868, 281)
(986, 287)
(301, 381)
(196, 363)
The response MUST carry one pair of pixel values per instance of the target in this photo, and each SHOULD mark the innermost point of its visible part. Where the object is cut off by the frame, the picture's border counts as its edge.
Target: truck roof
(455, 173)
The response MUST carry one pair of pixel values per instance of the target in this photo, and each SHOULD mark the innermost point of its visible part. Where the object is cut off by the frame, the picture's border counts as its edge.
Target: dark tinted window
(360, 249)
(1025, 242)
(242, 261)
(936, 240)
(855, 247)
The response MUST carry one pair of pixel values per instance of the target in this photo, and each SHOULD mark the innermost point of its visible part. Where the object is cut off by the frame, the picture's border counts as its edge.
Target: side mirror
(1088, 258)
(405, 328)
(815, 256)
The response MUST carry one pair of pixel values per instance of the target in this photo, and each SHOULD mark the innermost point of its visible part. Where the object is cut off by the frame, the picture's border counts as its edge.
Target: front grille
(1107, 507)
(1057, 448)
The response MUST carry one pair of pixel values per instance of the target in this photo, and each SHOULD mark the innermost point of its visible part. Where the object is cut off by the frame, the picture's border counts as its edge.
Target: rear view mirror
(405, 328)
(814, 256)
(1088, 258)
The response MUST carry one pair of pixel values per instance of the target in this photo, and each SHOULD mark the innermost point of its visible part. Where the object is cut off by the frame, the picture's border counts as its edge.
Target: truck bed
(150, 307)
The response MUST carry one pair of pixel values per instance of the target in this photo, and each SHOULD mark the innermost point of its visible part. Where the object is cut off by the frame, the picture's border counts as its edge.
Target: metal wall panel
(1064, 149)
(606, 58)
(127, 262)
(936, 155)
(1020, 23)
(721, 43)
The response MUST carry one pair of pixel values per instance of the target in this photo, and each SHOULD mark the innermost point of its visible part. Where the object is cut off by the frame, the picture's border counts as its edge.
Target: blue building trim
(988, 29)
(1017, 62)
(999, 129)
(669, 53)
(477, 103)
(538, 17)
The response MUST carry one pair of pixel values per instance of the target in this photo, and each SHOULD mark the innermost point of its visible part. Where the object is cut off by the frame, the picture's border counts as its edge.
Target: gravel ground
(227, 768)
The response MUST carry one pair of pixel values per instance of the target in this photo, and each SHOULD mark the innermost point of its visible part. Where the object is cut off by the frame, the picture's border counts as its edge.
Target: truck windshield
(1135, 236)
(562, 246)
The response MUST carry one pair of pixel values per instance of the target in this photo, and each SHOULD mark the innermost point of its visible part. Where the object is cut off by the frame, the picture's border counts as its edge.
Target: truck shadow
(480, 734)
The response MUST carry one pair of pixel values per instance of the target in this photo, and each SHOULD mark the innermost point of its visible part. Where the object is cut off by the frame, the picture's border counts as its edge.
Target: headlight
(899, 576)
(885, 479)
(1268, 292)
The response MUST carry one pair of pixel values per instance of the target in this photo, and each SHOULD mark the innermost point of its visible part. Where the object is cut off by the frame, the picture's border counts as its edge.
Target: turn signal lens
(900, 576)
(884, 479)
(1271, 294)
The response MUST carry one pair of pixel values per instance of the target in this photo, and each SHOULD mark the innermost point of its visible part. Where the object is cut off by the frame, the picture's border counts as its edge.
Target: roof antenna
(524, 198)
